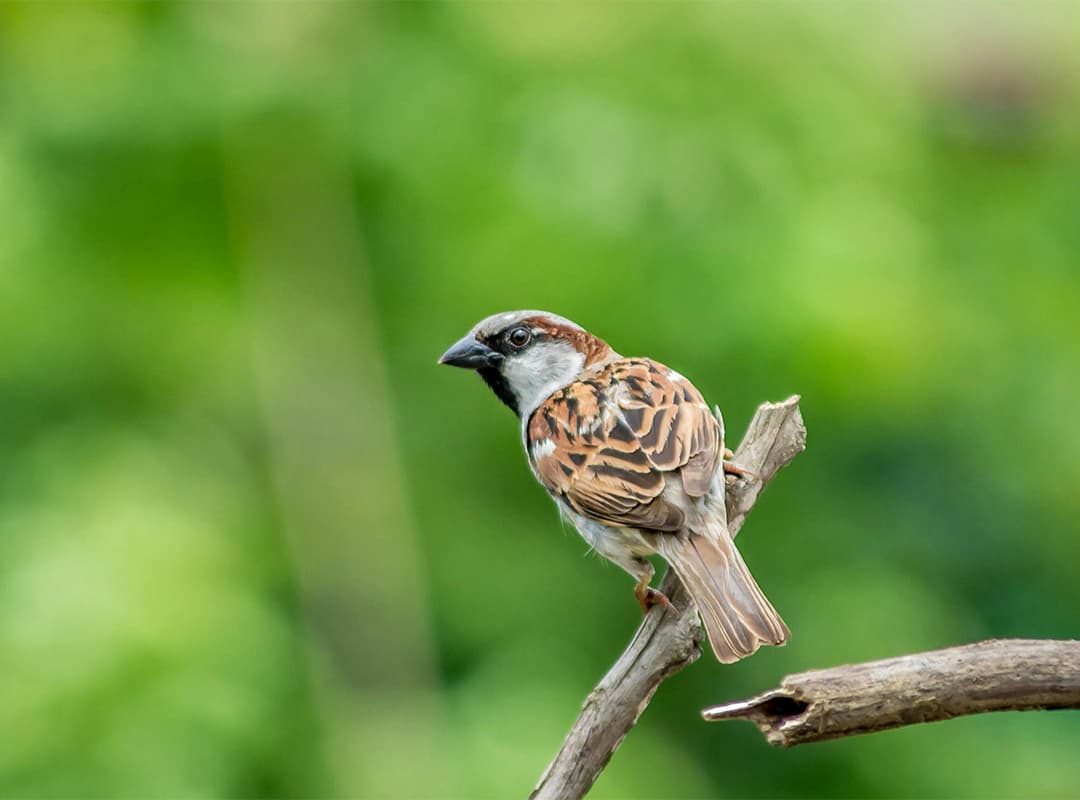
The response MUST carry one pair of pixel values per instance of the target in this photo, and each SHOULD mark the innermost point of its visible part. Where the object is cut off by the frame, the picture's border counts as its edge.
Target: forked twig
(666, 641)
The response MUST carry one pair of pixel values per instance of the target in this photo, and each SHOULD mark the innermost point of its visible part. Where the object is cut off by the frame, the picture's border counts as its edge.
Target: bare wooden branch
(666, 641)
(994, 675)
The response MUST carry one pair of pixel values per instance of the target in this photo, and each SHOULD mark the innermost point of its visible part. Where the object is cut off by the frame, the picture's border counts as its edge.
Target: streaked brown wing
(606, 442)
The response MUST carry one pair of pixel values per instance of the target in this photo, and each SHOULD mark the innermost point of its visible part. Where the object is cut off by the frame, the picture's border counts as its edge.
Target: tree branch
(666, 641)
(995, 675)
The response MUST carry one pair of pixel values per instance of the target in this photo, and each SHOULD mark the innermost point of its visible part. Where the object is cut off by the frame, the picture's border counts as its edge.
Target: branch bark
(666, 641)
(994, 675)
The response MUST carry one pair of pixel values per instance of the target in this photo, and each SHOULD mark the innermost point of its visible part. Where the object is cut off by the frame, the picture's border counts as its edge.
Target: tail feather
(738, 617)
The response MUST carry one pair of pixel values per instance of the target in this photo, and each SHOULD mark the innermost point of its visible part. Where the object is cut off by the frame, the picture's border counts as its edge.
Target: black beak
(470, 354)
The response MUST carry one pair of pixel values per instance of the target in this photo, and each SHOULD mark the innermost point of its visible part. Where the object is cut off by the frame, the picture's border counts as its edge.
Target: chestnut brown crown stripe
(596, 350)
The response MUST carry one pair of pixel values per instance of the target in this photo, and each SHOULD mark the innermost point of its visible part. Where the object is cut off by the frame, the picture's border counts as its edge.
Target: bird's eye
(518, 337)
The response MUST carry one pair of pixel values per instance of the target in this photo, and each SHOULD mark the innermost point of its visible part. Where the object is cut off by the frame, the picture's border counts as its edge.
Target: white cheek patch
(541, 370)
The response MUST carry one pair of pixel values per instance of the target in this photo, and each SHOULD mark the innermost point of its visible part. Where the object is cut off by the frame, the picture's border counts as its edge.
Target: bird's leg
(648, 597)
(731, 468)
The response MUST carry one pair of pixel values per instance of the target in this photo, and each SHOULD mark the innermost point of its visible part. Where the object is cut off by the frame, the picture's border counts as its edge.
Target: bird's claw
(648, 597)
(731, 468)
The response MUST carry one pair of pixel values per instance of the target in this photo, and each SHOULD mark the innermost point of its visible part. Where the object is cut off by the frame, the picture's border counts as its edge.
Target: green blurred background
(253, 542)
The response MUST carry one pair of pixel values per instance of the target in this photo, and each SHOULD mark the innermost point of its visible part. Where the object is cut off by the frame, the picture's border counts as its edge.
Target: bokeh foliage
(254, 543)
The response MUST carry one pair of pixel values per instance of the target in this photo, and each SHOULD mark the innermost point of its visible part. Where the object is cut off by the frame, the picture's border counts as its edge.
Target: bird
(634, 459)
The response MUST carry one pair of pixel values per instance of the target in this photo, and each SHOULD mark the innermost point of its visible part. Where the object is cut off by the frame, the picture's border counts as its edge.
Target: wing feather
(606, 443)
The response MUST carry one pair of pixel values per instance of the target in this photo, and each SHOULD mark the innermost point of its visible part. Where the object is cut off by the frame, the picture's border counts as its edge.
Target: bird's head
(525, 356)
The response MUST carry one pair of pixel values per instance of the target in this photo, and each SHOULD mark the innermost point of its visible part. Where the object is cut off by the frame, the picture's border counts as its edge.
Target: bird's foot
(731, 468)
(648, 597)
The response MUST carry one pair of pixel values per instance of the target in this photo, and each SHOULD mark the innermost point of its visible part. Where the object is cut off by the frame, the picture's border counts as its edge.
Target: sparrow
(634, 459)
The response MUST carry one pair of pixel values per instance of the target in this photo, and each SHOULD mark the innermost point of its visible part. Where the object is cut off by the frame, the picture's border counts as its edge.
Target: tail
(738, 617)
